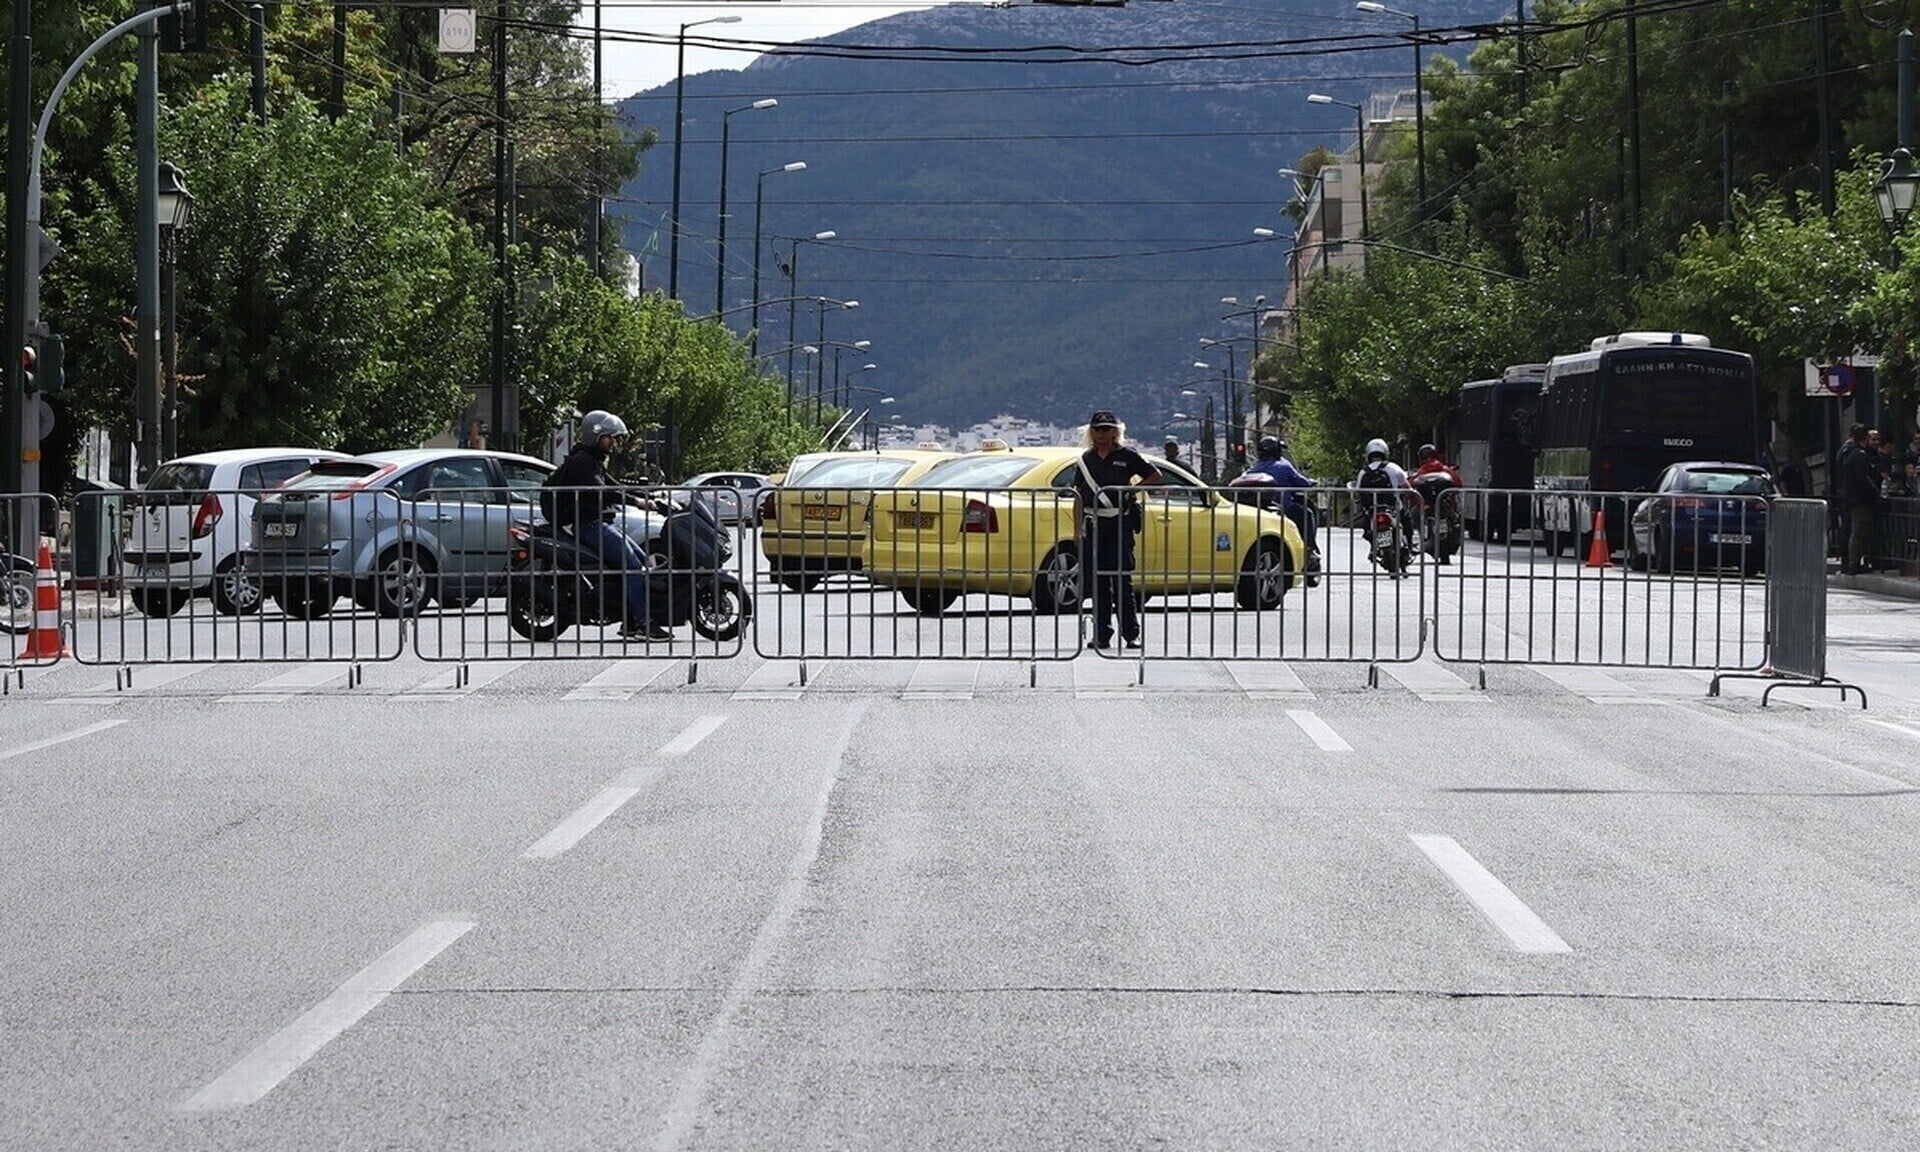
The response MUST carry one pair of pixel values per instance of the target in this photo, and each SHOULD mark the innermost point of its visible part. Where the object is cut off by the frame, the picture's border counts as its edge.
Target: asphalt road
(996, 904)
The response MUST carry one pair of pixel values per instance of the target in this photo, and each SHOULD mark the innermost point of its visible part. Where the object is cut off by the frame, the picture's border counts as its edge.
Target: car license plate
(915, 519)
(1729, 538)
(279, 528)
(822, 512)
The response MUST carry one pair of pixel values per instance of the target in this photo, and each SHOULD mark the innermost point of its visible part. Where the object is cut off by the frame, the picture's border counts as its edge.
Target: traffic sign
(1838, 379)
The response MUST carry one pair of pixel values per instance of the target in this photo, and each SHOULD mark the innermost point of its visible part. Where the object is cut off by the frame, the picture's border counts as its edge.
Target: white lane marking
(620, 681)
(1268, 680)
(279, 1055)
(145, 679)
(447, 686)
(305, 678)
(776, 680)
(584, 819)
(692, 735)
(943, 680)
(1592, 683)
(1433, 683)
(1495, 900)
(1891, 727)
(683, 1111)
(50, 741)
(1321, 732)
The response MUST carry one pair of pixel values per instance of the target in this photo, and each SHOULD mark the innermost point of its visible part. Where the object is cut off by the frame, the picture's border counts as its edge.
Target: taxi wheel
(802, 581)
(929, 601)
(1056, 586)
(159, 602)
(1263, 579)
(236, 592)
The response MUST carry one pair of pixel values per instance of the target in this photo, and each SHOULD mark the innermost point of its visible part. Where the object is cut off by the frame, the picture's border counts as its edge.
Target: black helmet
(1272, 448)
(1428, 451)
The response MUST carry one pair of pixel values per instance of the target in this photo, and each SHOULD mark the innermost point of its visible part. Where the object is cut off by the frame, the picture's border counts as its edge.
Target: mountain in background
(1036, 237)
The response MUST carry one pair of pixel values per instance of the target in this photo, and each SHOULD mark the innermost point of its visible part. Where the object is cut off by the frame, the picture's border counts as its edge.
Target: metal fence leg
(803, 673)
(1373, 675)
(693, 670)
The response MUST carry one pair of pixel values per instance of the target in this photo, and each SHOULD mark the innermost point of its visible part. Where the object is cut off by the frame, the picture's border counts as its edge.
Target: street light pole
(1419, 103)
(726, 132)
(175, 210)
(1360, 123)
(679, 132)
(759, 207)
(793, 297)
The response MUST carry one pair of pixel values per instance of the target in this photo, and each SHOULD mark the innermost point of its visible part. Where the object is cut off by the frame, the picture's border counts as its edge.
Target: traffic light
(53, 364)
(186, 30)
(29, 360)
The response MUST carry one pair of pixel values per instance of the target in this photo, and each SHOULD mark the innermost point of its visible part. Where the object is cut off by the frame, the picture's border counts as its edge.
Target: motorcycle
(554, 584)
(1440, 528)
(1387, 537)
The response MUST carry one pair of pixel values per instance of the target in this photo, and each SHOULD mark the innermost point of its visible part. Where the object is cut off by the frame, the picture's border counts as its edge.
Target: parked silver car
(394, 530)
(733, 497)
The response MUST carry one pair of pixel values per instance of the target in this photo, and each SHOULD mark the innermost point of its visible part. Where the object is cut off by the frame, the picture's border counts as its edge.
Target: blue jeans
(620, 555)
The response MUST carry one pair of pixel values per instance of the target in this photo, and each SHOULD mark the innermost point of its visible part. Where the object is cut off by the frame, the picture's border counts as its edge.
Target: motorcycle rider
(1291, 482)
(580, 498)
(1431, 461)
(1388, 482)
(1432, 466)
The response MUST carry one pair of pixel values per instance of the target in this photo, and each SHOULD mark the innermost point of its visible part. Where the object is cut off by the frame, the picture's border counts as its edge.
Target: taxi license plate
(915, 519)
(280, 529)
(821, 512)
(1730, 538)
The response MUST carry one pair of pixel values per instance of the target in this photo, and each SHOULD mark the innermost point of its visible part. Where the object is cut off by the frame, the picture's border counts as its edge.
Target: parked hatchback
(183, 534)
(394, 530)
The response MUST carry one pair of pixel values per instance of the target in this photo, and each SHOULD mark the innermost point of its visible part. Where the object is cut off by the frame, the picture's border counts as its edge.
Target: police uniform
(1108, 521)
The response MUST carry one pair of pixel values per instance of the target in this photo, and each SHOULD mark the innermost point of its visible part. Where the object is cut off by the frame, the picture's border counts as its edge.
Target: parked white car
(182, 534)
(733, 497)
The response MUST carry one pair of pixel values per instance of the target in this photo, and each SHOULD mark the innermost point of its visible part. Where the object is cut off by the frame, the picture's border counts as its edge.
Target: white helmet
(598, 423)
(1376, 447)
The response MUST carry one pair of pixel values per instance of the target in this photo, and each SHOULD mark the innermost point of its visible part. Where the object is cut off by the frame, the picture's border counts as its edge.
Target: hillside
(1034, 237)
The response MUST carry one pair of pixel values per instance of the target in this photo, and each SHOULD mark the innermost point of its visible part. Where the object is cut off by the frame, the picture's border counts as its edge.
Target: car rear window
(1729, 483)
(995, 471)
(862, 472)
(178, 483)
(333, 475)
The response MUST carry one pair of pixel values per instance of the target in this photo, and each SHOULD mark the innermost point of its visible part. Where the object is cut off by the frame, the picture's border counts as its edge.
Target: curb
(1877, 584)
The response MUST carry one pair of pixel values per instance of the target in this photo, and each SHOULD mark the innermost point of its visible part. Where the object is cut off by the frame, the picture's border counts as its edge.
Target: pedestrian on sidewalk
(1859, 491)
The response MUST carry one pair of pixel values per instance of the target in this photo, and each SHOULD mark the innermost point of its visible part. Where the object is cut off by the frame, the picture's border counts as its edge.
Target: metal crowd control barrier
(1797, 605)
(30, 609)
(243, 576)
(924, 572)
(1682, 597)
(526, 591)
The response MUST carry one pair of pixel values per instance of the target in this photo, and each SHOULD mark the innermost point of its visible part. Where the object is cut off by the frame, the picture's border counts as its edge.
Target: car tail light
(980, 517)
(769, 506)
(208, 515)
(1382, 522)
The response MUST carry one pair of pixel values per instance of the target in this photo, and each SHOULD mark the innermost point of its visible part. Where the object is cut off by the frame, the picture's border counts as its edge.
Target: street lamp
(679, 130)
(726, 133)
(175, 213)
(820, 364)
(1360, 123)
(1419, 102)
(793, 296)
(1898, 177)
(759, 206)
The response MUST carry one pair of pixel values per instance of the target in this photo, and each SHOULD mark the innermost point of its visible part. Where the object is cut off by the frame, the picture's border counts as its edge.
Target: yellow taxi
(815, 523)
(1001, 522)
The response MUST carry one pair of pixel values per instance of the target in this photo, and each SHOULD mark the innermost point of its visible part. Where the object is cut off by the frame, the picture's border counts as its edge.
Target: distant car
(815, 523)
(183, 533)
(394, 530)
(733, 497)
(1702, 514)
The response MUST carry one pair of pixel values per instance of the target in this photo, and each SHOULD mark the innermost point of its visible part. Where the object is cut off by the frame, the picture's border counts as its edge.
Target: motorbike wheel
(531, 612)
(719, 610)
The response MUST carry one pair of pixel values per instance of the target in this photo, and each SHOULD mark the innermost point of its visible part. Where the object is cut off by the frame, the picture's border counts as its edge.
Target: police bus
(1492, 433)
(1613, 416)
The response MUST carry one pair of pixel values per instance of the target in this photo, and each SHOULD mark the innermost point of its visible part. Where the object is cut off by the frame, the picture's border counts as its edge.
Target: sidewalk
(1876, 583)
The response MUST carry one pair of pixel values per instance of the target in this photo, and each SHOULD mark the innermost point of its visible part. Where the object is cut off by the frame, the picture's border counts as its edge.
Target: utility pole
(1633, 116)
(337, 95)
(497, 424)
(1823, 87)
(598, 210)
(20, 272)
(257, 25)
(146, 247)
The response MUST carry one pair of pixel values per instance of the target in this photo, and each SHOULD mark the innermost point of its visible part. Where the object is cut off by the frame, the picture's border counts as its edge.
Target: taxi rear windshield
(977, 472)
(332, 475)
(865, 472)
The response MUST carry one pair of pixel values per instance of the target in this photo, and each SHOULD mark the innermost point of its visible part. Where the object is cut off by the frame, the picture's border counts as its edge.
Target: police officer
(1108, 520)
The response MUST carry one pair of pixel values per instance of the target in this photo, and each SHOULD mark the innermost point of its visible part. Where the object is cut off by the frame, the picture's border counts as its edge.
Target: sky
(630, 68)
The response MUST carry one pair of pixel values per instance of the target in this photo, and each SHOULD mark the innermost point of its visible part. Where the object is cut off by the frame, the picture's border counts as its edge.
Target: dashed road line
(1496, 901)
(1892, 727)
(943, 680)
(1319, 731)
(448, 685)
(620, 681)
(583, 820)
(690, 736)
(287, 685)
(261, 1070)
(52, 741)
(1267, 680)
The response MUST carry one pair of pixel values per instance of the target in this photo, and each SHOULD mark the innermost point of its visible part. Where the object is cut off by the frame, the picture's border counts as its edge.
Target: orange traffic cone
(47, 641)
(1599, 555)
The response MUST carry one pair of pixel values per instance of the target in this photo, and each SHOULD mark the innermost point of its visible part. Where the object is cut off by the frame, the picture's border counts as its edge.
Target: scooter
(553, 583)
(1440, 528)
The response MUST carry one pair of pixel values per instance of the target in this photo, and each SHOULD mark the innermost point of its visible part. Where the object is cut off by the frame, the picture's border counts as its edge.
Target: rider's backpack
(1375, 478)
